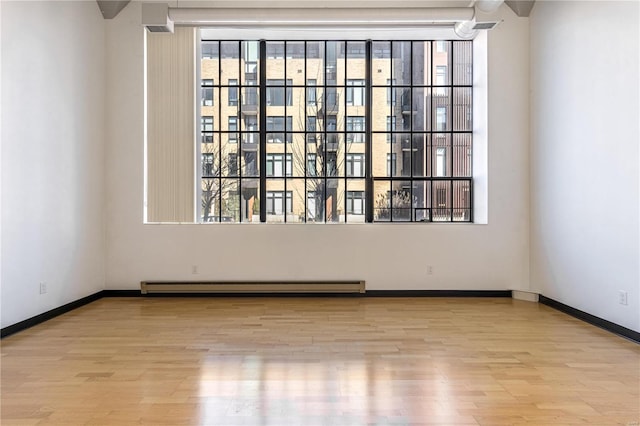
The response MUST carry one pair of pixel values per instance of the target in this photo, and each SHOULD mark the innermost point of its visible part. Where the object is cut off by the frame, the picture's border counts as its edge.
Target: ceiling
(111, 8)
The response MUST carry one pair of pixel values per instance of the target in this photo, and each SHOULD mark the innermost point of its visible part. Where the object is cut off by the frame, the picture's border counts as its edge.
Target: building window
(207, 165)
(391, 164)
(233, 92)
(355, 202)
(355, 165)
(391, 92)
(276, 165)
(441, 162)
(355, 92)
(233, 128)
(316, 152)
(277, 94)
(312, 94)
(233, 164)
(210, 50)
(207, 92)
(206, 129)
(276, 128)
(276, 202)
(355, 124)
(441, 118)
(391, 127)
(312, 161)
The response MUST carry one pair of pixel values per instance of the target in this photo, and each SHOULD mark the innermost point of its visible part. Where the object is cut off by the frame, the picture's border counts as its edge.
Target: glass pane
(402, 149)
(382, 201)
(462, 201)
(401, 64)
(421, 63)
(462, 160)
(315, 61)
(462, 109)
(295, 193)
(332, 69)
(250, 161)
(441, 201)
(420, 160)
(441, 112)
(441, 67)
(356, 60)
(441, 155)
(331, 154)
(463, 63)
(401, 201)
(421, 201)
(251, 66)
(275, 62)
(276, 202)
(298, 152)
(209, 200)
(381, 108)
(334, 200)
(420, 109)
(295, 62)
(230, 200)
(249, 204)
(380, 63)
(315, 206)
(384, 161)
(229, 160)
(355, 201)
(249, 106)
(210, 163)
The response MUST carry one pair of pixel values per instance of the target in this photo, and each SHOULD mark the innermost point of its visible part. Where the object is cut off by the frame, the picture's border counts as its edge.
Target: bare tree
(217, 182)
(321, 157)
(397, 202)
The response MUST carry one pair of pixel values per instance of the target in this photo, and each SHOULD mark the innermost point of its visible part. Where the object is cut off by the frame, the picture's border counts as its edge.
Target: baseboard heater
(258, 287)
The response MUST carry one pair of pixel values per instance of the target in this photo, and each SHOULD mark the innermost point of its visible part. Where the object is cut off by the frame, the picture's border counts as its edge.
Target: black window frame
(401, 99)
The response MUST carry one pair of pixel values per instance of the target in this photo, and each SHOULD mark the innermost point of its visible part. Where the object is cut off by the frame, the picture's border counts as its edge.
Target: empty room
(320, 213)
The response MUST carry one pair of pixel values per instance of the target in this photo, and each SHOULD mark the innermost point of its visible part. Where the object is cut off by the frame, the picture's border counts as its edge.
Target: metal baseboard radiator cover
(267, 287)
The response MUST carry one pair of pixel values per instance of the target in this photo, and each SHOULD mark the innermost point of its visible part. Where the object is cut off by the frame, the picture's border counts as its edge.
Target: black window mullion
(286, 134)
(305, 193)
(451, 125)
(344, 126)
(392, 126)
(263, 130)
(238, 134)
(217, 131)
(368, 140)
(325, 136)
(411, 207)
(430, 126)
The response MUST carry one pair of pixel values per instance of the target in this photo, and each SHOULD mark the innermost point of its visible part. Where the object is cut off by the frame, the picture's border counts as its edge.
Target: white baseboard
(527, 296)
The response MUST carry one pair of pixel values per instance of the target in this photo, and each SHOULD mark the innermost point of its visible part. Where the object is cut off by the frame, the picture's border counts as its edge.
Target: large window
(336, 131)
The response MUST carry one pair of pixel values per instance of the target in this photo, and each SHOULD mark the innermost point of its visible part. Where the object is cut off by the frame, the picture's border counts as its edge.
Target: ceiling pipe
(488, 6)
(321, 17)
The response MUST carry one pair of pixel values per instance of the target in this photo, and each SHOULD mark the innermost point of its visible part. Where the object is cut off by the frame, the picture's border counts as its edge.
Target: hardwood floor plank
(324, 361)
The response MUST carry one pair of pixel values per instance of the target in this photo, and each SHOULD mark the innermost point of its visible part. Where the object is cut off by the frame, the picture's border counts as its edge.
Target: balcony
(250, 146)
(330, 144)
(250, 103)
(329, 106)
(250, 183)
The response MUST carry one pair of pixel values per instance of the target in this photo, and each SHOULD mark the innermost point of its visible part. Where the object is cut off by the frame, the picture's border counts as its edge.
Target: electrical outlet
(43, 288)
(622, 298)
(429, 270)
(194, 269)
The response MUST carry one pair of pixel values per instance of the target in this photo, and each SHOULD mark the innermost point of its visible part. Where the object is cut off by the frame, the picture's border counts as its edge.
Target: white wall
(52, 155)
(492, 256)
(584, 156)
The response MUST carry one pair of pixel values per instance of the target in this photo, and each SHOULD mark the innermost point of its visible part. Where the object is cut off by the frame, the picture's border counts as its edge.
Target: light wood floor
(318, 361)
